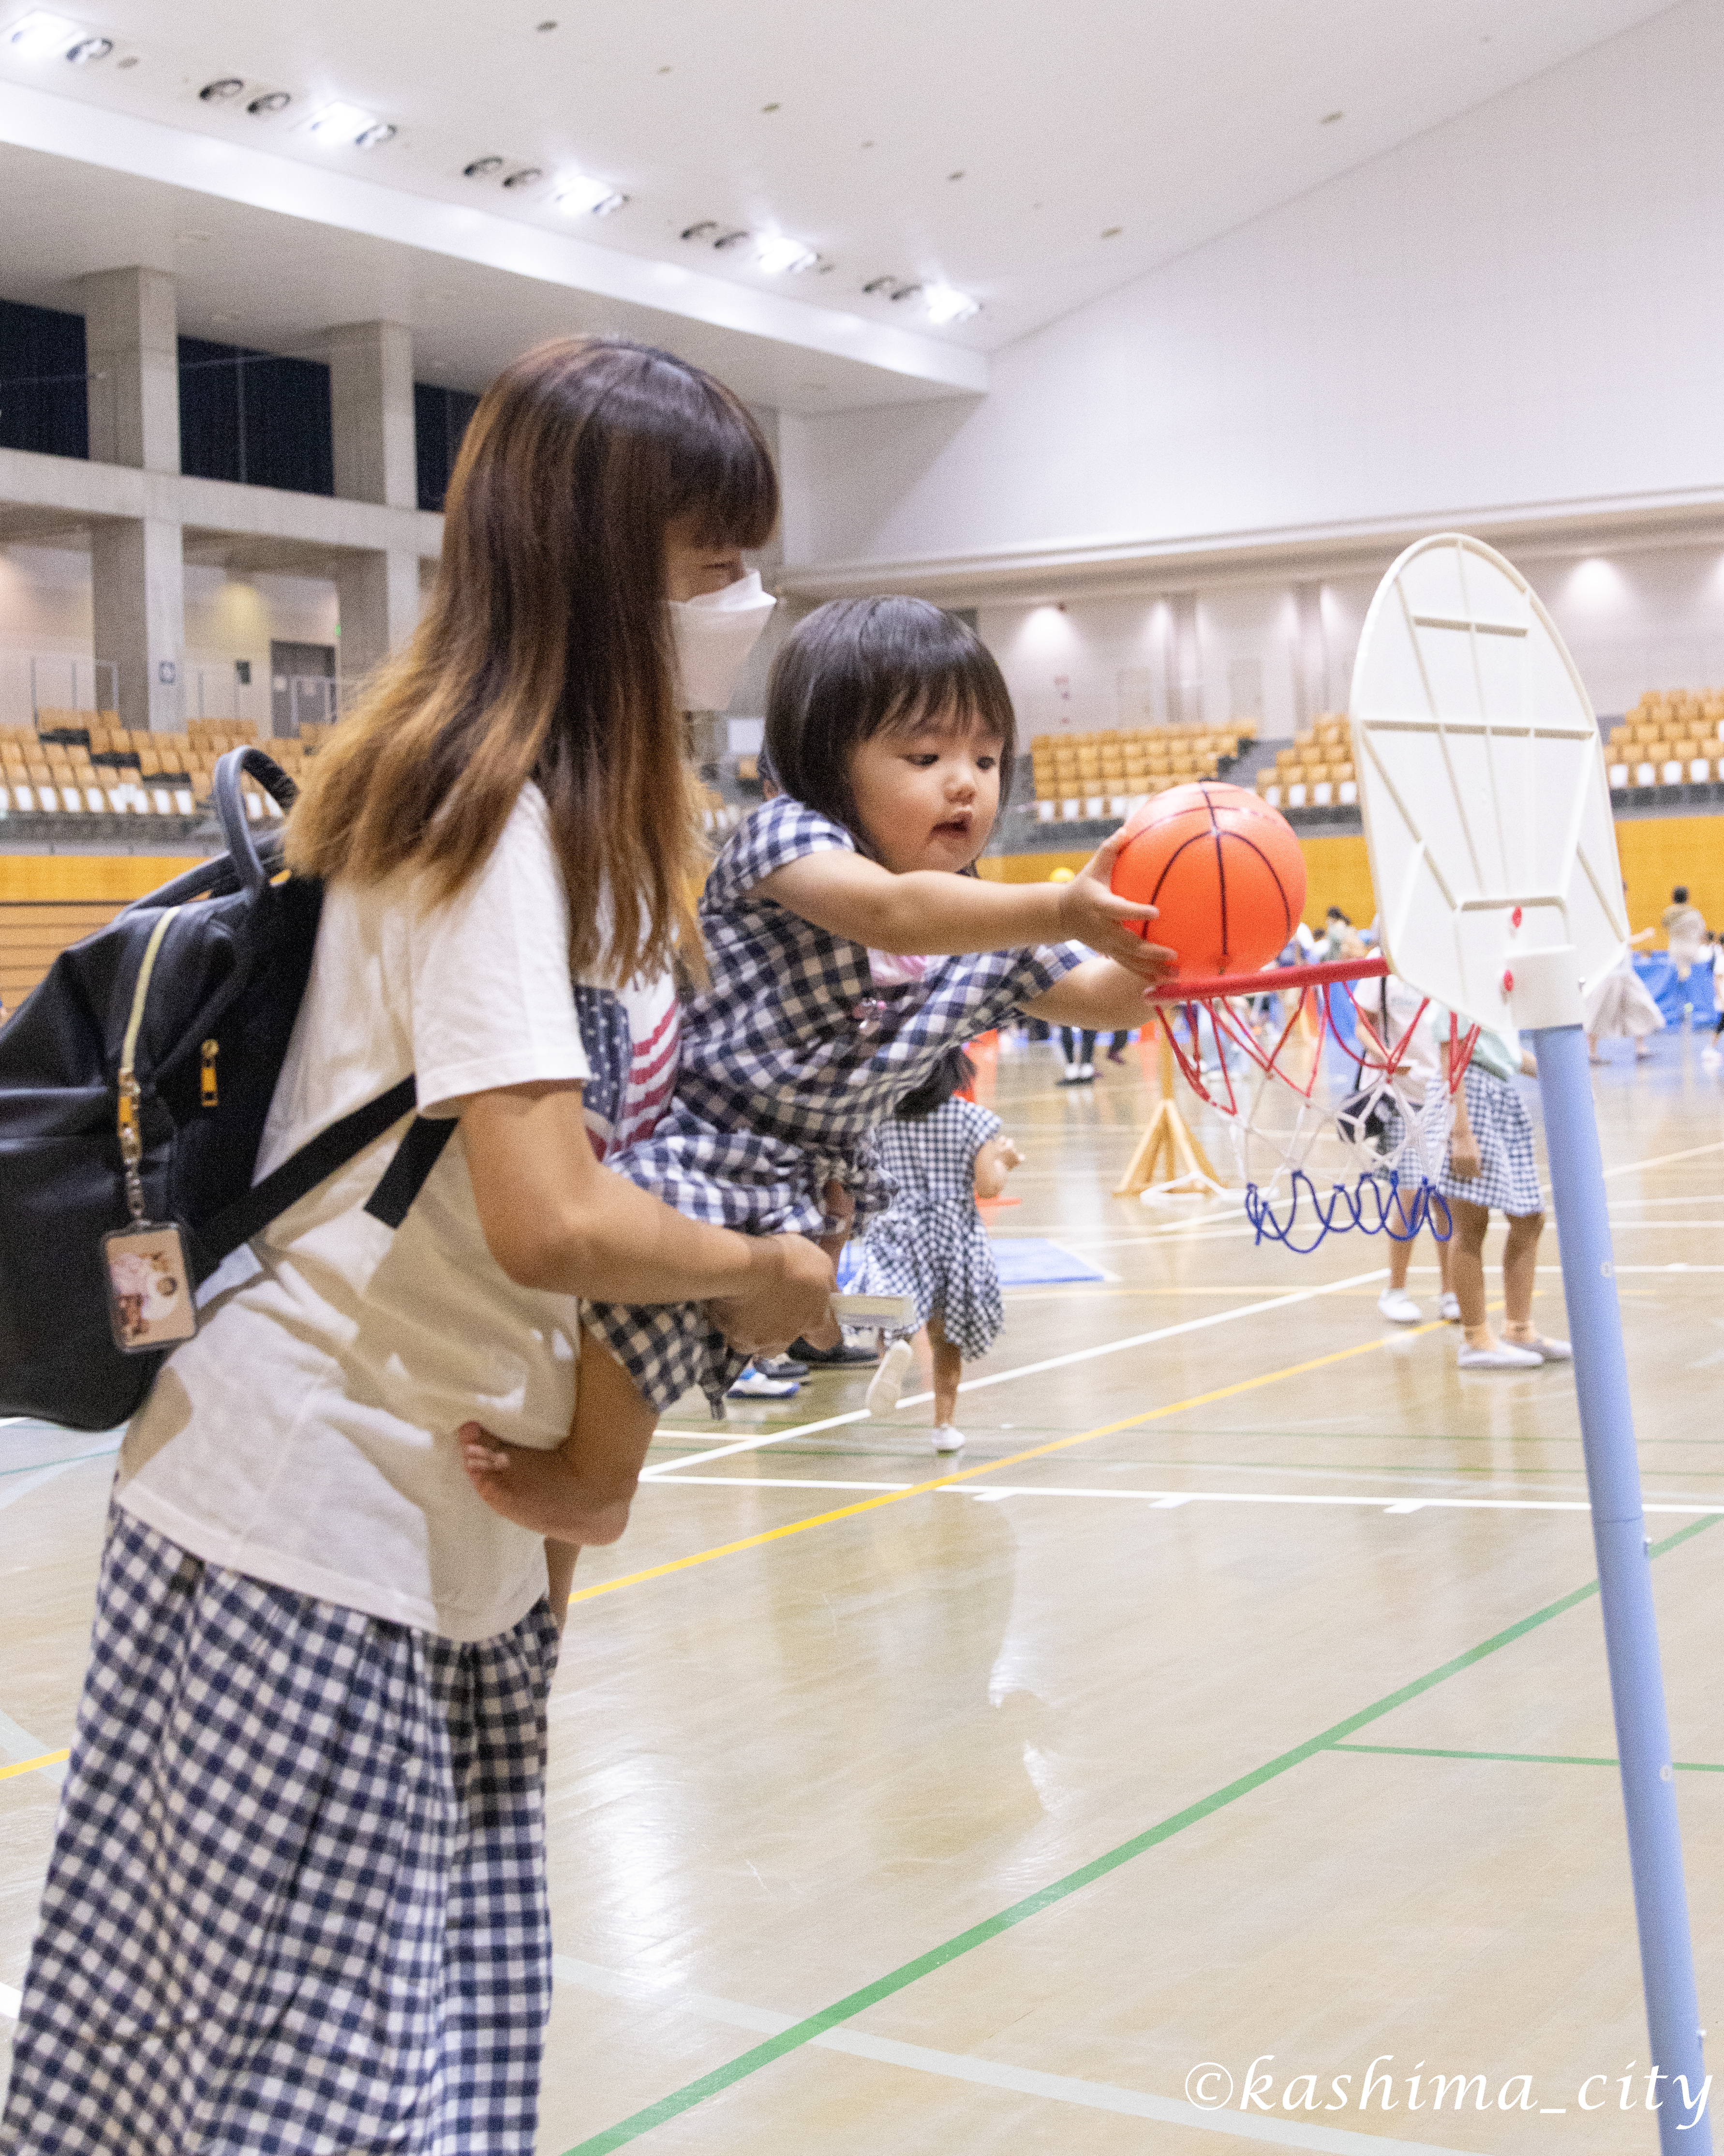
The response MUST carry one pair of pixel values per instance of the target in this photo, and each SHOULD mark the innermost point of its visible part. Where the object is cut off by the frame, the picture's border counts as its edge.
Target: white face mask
(713, 637)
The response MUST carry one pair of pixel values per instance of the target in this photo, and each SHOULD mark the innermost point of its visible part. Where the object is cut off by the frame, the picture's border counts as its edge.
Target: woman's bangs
(727, 490)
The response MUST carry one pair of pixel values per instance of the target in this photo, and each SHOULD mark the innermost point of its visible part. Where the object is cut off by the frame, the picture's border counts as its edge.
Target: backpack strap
(301, 1173)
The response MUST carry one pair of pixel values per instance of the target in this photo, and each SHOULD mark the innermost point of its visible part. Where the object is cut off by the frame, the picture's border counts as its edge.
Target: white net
(1336, 1095)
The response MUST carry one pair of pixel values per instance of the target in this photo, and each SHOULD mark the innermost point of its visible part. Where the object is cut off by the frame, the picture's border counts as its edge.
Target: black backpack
(228, 948)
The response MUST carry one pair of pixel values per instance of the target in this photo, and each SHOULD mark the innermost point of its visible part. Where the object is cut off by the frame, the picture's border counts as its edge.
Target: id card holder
(150, 1289)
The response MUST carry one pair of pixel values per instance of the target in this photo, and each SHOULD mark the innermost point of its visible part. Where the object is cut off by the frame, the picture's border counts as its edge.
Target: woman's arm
(1098, 996)
(933, 913)
(554, 1219)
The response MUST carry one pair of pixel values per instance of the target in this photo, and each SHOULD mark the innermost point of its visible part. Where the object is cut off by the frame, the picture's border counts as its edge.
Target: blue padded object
(1028, 1261)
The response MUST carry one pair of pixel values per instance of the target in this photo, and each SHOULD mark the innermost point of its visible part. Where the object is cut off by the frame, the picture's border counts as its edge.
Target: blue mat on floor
(1027, 1261)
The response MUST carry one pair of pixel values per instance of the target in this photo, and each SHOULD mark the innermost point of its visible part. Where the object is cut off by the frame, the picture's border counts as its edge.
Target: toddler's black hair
(951, 1075)
(856, 668)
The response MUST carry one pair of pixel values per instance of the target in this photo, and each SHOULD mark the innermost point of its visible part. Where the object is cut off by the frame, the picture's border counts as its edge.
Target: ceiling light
(89, 49)
(375, 137)
(341, 123)
(482, 168)
(778, 254)
(946, 305)
(578, 196)
(526, 177)
(272, 101)
(36, 34)
(221, 89)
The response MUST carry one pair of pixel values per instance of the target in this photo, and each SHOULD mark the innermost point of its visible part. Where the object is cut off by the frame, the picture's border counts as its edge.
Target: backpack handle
(230, 807)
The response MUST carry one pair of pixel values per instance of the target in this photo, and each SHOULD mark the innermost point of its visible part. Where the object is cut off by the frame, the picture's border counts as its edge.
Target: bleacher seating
(73, 763)
(1108, 773)
(1671, 738)
(1317, 771)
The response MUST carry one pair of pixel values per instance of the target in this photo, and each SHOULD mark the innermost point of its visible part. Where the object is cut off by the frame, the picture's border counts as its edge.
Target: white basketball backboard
(1482, 779)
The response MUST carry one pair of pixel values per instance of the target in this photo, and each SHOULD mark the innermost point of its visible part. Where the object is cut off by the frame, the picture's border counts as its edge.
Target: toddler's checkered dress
(1509, 1182)
(296, 1905)
(791, 1060)
(932, 1244)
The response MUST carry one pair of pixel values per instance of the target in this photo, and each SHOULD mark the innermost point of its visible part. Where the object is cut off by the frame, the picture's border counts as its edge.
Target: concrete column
(378, 597)
(139, 586)
(1311, 654)
(131, 343)
(370, 388)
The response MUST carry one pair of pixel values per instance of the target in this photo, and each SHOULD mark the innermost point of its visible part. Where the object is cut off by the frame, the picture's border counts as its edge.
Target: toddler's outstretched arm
(934, 913)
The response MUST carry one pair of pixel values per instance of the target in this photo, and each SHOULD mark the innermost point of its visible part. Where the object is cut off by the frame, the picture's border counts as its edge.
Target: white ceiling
(838, 126)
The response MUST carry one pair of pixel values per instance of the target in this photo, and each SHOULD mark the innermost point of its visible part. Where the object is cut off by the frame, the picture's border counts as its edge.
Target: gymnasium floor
(1239, 1696)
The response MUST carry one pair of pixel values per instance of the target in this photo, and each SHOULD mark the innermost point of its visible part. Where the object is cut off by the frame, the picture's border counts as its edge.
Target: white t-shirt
(306, 1436)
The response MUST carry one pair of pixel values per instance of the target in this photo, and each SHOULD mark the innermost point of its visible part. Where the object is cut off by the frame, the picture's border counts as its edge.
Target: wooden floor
(1234, 1697)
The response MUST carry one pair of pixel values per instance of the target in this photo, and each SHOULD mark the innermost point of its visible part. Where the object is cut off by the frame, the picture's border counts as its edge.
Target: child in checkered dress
(849, 950)
(1490, 1163)
(943, 1153)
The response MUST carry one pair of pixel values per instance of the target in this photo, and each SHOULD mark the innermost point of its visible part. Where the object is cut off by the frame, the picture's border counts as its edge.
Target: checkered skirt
(1508, 1182)
(792, 1058)
(931, 1245)
(296, 1902)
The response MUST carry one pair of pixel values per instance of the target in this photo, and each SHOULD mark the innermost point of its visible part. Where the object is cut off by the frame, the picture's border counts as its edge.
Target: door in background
(302, 686)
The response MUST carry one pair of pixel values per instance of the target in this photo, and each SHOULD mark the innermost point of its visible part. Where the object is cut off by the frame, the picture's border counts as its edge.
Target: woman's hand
(790, 1301)
(1090, 914)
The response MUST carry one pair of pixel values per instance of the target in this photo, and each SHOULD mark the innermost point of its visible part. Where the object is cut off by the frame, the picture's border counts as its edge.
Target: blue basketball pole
(1642, 1740)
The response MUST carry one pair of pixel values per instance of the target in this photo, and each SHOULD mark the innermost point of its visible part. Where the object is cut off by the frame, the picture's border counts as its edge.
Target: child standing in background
(943, 1153)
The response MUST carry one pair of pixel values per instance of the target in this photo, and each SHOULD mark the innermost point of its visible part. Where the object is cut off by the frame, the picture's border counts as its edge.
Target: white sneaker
(1086, 1071)
(1398, 1307)
(756, 1385)
(1547, 1351)
(1449, 1304)
(1502, 1356)
(1711, 1057)
(947, 1438)
(887, 1382)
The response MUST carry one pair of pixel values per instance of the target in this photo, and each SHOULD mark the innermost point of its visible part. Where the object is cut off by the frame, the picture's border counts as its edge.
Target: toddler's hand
(1090, 914)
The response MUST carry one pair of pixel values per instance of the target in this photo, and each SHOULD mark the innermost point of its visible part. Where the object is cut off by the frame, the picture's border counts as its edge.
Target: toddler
(850, 949)
(943, 1153)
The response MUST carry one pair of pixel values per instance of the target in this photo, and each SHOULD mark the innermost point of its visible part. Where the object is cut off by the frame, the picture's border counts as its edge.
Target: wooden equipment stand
(1168, 1157)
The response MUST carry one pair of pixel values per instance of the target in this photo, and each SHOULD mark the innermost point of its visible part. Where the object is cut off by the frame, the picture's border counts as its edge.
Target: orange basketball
(1224, 868)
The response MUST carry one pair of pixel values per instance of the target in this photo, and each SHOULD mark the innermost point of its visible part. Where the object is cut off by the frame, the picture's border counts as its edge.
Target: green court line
(1527, 1758)
(1046, 1897)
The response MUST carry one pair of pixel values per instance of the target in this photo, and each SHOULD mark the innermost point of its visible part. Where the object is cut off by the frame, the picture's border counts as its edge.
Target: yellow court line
(993, 1466)
(29, 1766)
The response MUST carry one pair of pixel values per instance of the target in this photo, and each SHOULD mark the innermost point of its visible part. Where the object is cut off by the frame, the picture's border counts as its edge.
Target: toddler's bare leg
(1520, 1268)
(581, 1491)
(948, 1369)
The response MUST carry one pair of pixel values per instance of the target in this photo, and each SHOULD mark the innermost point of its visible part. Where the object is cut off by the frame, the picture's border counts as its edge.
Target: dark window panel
(44, 395)
(440, 418)
(255, 417)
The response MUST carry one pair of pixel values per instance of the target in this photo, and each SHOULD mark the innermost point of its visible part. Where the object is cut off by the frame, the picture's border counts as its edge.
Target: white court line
(17, 1744)
(1167, 1501)
(1024, 1370)
(1663, 1159)
(990, 2073)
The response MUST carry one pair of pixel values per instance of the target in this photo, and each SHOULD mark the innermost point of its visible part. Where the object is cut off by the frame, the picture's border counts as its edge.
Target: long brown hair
(544, 651)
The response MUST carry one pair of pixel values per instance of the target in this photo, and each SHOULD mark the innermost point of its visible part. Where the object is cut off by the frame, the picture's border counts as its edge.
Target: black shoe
(841, 1353)
(780, 1365)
